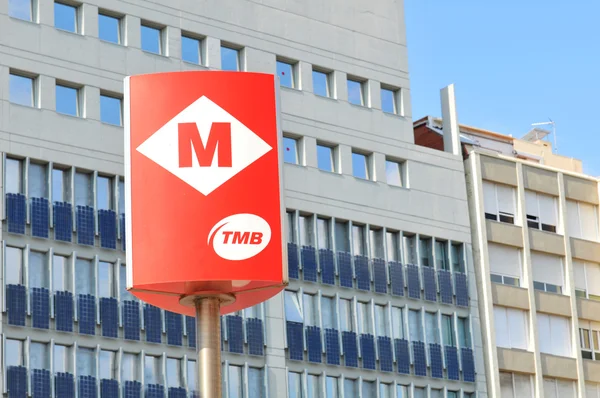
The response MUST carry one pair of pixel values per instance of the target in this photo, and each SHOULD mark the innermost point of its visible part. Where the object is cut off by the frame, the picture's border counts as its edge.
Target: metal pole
(208, 346)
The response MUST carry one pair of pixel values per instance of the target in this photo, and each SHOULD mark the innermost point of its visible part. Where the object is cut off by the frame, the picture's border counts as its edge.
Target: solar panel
(63, 311)
(152, 324)
(468, 364)
(64, 385)
(445, 282)
(379, 276)
(361, 270)
(435, 360)
(293, 260)
(313, 344)
(386, 357)
(462, 292)
(178, 392)
(40, 383)
(402, 355)
(86, 311)
(15, 213)
(295, 340)
(109, 388)
(40, 217)
(452, 363)
(397, 278)
(40, 308)
(350, 349)
(85, 225)
(190, 327)
(109, 316)
(131, 319)
(155, 391)
(235, 335)
(332, 346)
(309, 263)
(63, 221)
(345, 269)
(419, 359)
(122, 222)
(327, 266)
(15, 304)
(367, 350)
(255, 336)
(107, 227)
(132, 389)
(429, 285)
(87, 387)
(174, 328)
(414, 286)
(16, 381)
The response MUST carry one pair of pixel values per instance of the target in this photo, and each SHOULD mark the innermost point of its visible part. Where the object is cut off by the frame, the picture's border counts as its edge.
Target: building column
(89, 20)
(133, 36)
(275, 352)
(212, 53)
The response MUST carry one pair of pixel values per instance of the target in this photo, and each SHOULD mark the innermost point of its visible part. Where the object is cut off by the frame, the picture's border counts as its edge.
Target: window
(331, 387)
(323, 233)
(108, 364)
(129, 367)
(310, 309)
(410, 249)
(192, 371)
(104, 195)
(360, 166)
(13, 353)
(448, 331)
(39, 355)
(286, 72)
(65, 17)
(389, 100)
(174, 373)
(59, 273)
(191, 49)
(541, 211)
(290, 150)
(346, 315)
(425, 252)
(109, 28)
(13, 176)
(548, 272)
(369, 389)
(554, 334)
(392, 245)
(499, 202)
(431, 328)
(313, 386)
(587, 279)
(84, 277)
(386, 390)
(290, 226)
(505, 264)
(414, 325)
(589, 335)
(86, 361)
(83, 189)
(293, 311)
(152, 40)
(420, 392)
(110, 110)
(458, 258)
(13, 268)
(321, 83)
(152, 370)
(515, 385)
(294, 385)
(355, 92)
(394, 173)
(21, 90)
(402, 391)
(381, 320)
(342, 242)
(21, 9)
(325, 158)
(38, 270)
(328, 312)
(306, 230)
(376, 242)
(38, 181)
(230, 58)
(358, 240)
(121, 194)
(67, 100)
(61, 185)
(350, 388)
(582, 220)
(61, 358)
(511, 328)
(556, 388)
(436, 393)
(105, 279)
(592, 390)
(398, 323)
(464, 332)
(256, 384)
(441, 255)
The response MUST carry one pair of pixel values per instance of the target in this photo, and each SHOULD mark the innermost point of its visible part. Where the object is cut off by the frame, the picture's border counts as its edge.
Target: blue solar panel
(350, 349)
(235, 333)
(414, 286)
(292, 250)
(40, 308)
(132, 389)
(179, 393)
(255, 336)
(327, 266)
(332, 346)
(379, 276)
(445, 282)
(367, 350)
(64, 385)
(174, 328)
(313, 344)
(190, 326)
(85, 225)
(345, 269)
(468, 364)
(87, 387)
(462, 292)
(40, 217)
(361, 270)
(40, 383)
(435, 360)
(15, 304)
(155, 391)
(386, 357)
(402, 355)
(122, 222)
(152, 324)
(15, 212)
(86, 311)
(419, 358)
(309, 263)
(397, 278)
(429, 285)
(109, 388)
(295, 340)
(131, 319)
(109, 316)
(16, 381)
(63, 221)
(452, 363)
(63, 311)
(107, 226)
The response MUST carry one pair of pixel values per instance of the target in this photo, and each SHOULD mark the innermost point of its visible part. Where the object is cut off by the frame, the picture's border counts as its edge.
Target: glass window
(454, 394)
(290, 226)
(13, 353)
(173, 372)
(65, 17)
(328, 312)
(425, 252)
(123, 292)
(110, 110)
(360, 168)
(191, 375)
(419, 392)
(342, 243)
(448, 331)
(60, 185)
(13, 176)
(191, 50)
(321, 83)
(60, 358)
(38, 181)
(369, 389)
(309, 307)
(392, 245)
(306, 230)
(121, 196)
(381, 320)
(129, 367)
(431, 327)
(39, 355)
(108, 364)
(293, 312)
(294, 385)
(104, 194)
(464, 332)
(355, 92)
(401, 391)
(365, 321)
(105, 279)
(358, 240)
(84, 277)
(290, 150)
(393, 173)
(376, 241)
(83, 189)
(331, 387)
(285, 71)
(38, 270)
(441, 255)
(21, 90)
(410, 249)
(21, 9)
(388, 100)
(67, 100)
(436, 393)
(230, 59)
(385, 390)
(458, 260)
(398, 322)
(346, 315)
(414, 325)
(313, 386)
(323, 233)
(59, 273)
(86, 361)
(256, 384)
(152, 370)
(14, 266)
(325, 158)
(350, 388)
(151, 39)
(109, 28)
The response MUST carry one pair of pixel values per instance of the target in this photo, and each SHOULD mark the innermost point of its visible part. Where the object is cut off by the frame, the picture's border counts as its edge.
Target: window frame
(329, 82)
(293, 70)
(500, 216)
(78, 20)
(32, 12)
(201, 47)
(78, 97)
(351, 80)
(34, 103)
(119, 18)
(401, 171)
(332, 157)
(287, 138)
(396, 99)
(162, 40)
(238, 53)
(367, 163)
(112, 96)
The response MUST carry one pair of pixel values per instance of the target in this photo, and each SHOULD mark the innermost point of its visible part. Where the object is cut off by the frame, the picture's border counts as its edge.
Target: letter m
(239, 237)
(219, 140)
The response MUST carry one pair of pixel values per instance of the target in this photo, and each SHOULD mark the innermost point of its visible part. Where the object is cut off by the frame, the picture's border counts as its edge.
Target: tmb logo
(240, 236)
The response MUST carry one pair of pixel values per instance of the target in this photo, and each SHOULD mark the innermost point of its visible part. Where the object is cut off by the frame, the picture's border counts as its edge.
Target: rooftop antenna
(550, 122)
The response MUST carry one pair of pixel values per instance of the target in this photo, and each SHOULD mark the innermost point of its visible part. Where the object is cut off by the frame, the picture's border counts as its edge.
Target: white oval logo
(240, 236)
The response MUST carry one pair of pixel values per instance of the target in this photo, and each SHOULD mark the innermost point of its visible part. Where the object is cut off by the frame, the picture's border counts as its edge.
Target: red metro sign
(203, 188)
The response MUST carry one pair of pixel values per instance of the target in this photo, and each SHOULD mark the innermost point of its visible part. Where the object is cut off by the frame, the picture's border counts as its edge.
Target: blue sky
(513, 63)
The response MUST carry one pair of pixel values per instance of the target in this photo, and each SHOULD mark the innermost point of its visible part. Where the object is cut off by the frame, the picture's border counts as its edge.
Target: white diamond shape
(163, 149)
